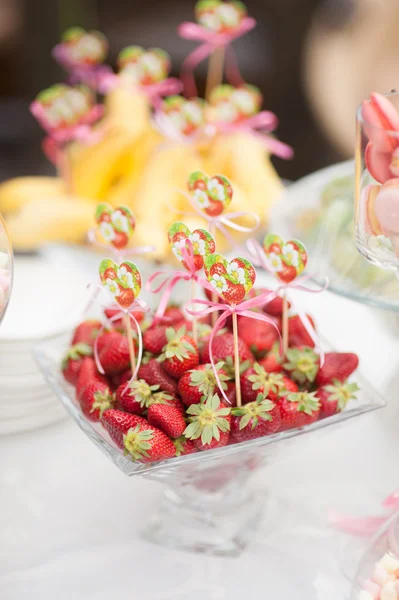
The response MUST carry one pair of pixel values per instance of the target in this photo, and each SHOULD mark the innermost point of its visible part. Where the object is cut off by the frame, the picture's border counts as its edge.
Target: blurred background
(316, 61)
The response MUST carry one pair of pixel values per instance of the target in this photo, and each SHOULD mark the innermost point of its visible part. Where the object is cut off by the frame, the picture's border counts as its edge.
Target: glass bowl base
(223, 529)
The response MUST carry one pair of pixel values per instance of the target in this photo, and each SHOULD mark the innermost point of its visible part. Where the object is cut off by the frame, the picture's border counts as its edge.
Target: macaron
(380, 120)
(378, 163)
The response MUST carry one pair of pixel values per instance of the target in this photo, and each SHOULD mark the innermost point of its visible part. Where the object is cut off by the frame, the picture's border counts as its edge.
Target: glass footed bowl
(6, 268)
(319, 210)
(382, 552)
(210, 503)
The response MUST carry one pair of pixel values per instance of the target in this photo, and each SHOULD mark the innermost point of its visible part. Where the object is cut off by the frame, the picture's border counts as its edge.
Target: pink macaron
(381, 122)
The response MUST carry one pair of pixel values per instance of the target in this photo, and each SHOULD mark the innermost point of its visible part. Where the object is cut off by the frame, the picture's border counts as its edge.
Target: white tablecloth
(70, 521)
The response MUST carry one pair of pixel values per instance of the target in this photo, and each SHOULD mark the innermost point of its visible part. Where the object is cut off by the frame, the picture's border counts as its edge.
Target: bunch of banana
(134, 165)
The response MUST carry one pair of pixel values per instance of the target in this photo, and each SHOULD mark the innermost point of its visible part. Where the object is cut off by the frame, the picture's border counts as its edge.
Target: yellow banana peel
(50, 219)
(15, 193)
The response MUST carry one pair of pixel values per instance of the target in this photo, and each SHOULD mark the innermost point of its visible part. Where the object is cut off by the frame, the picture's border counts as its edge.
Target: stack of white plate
(48, 296)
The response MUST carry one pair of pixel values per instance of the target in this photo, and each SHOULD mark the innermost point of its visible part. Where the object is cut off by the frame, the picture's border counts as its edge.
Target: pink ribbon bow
(171, 279)
(243, 309)
(259, 125)
(365, 525)
(154, 91)
(221, 222)
(57, 138)
(258, 258)
(122, 254)
(210, 41)
(91, 75)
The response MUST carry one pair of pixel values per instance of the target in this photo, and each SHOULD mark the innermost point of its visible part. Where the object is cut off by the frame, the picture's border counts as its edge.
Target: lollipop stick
(214, 296)
(128, 326)
(194, 321)
(215, 71)
(236, 359)
(285, 323)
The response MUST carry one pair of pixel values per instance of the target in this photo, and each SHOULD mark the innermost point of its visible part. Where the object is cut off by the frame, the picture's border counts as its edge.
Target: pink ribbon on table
(210, 41)
(258, 258)
(222, 222)
(259, 126)
(119, 254)
(243, 309)
(364, 525)
(171, 279)
(154, 91)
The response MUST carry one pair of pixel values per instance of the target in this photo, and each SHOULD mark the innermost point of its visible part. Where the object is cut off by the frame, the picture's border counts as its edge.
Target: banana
(255, 174)
(95, 168)
(127, 111)
(50, 219)
(124, 191)
(166, 172)
(15, 193)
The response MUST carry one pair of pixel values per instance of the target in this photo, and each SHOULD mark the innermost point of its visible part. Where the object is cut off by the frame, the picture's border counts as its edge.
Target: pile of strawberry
(174, 406)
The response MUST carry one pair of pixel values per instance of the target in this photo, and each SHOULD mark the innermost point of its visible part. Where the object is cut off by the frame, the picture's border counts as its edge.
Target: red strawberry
(272, 363)
(287, 273)
(104, 339)
(337, 365)
(172, 315)
(95, 399)
(302, 364)
(136, 397)
(72, 361)
(143, 371)
(118, 423)
(125, 297)
(214, 208)
(112, 312)
(235, 292)
(180, 353)
(146, 443)
(156, 376)
(88, 374)
(86, 332)
(223, 347)
(334, 397)
(258, 418)
(200, 383)
(109, 273)
(297, 334)
(256, 380)
(169, 399)
(184, 446)
(217, 269)
(209, 423)
(231, 393)
(298, 409)
(114, 357)
(275, 307)
(258, 335)
(154, 339)
(124, 377)
(168, 419)
(137, 437)
(120, 240)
